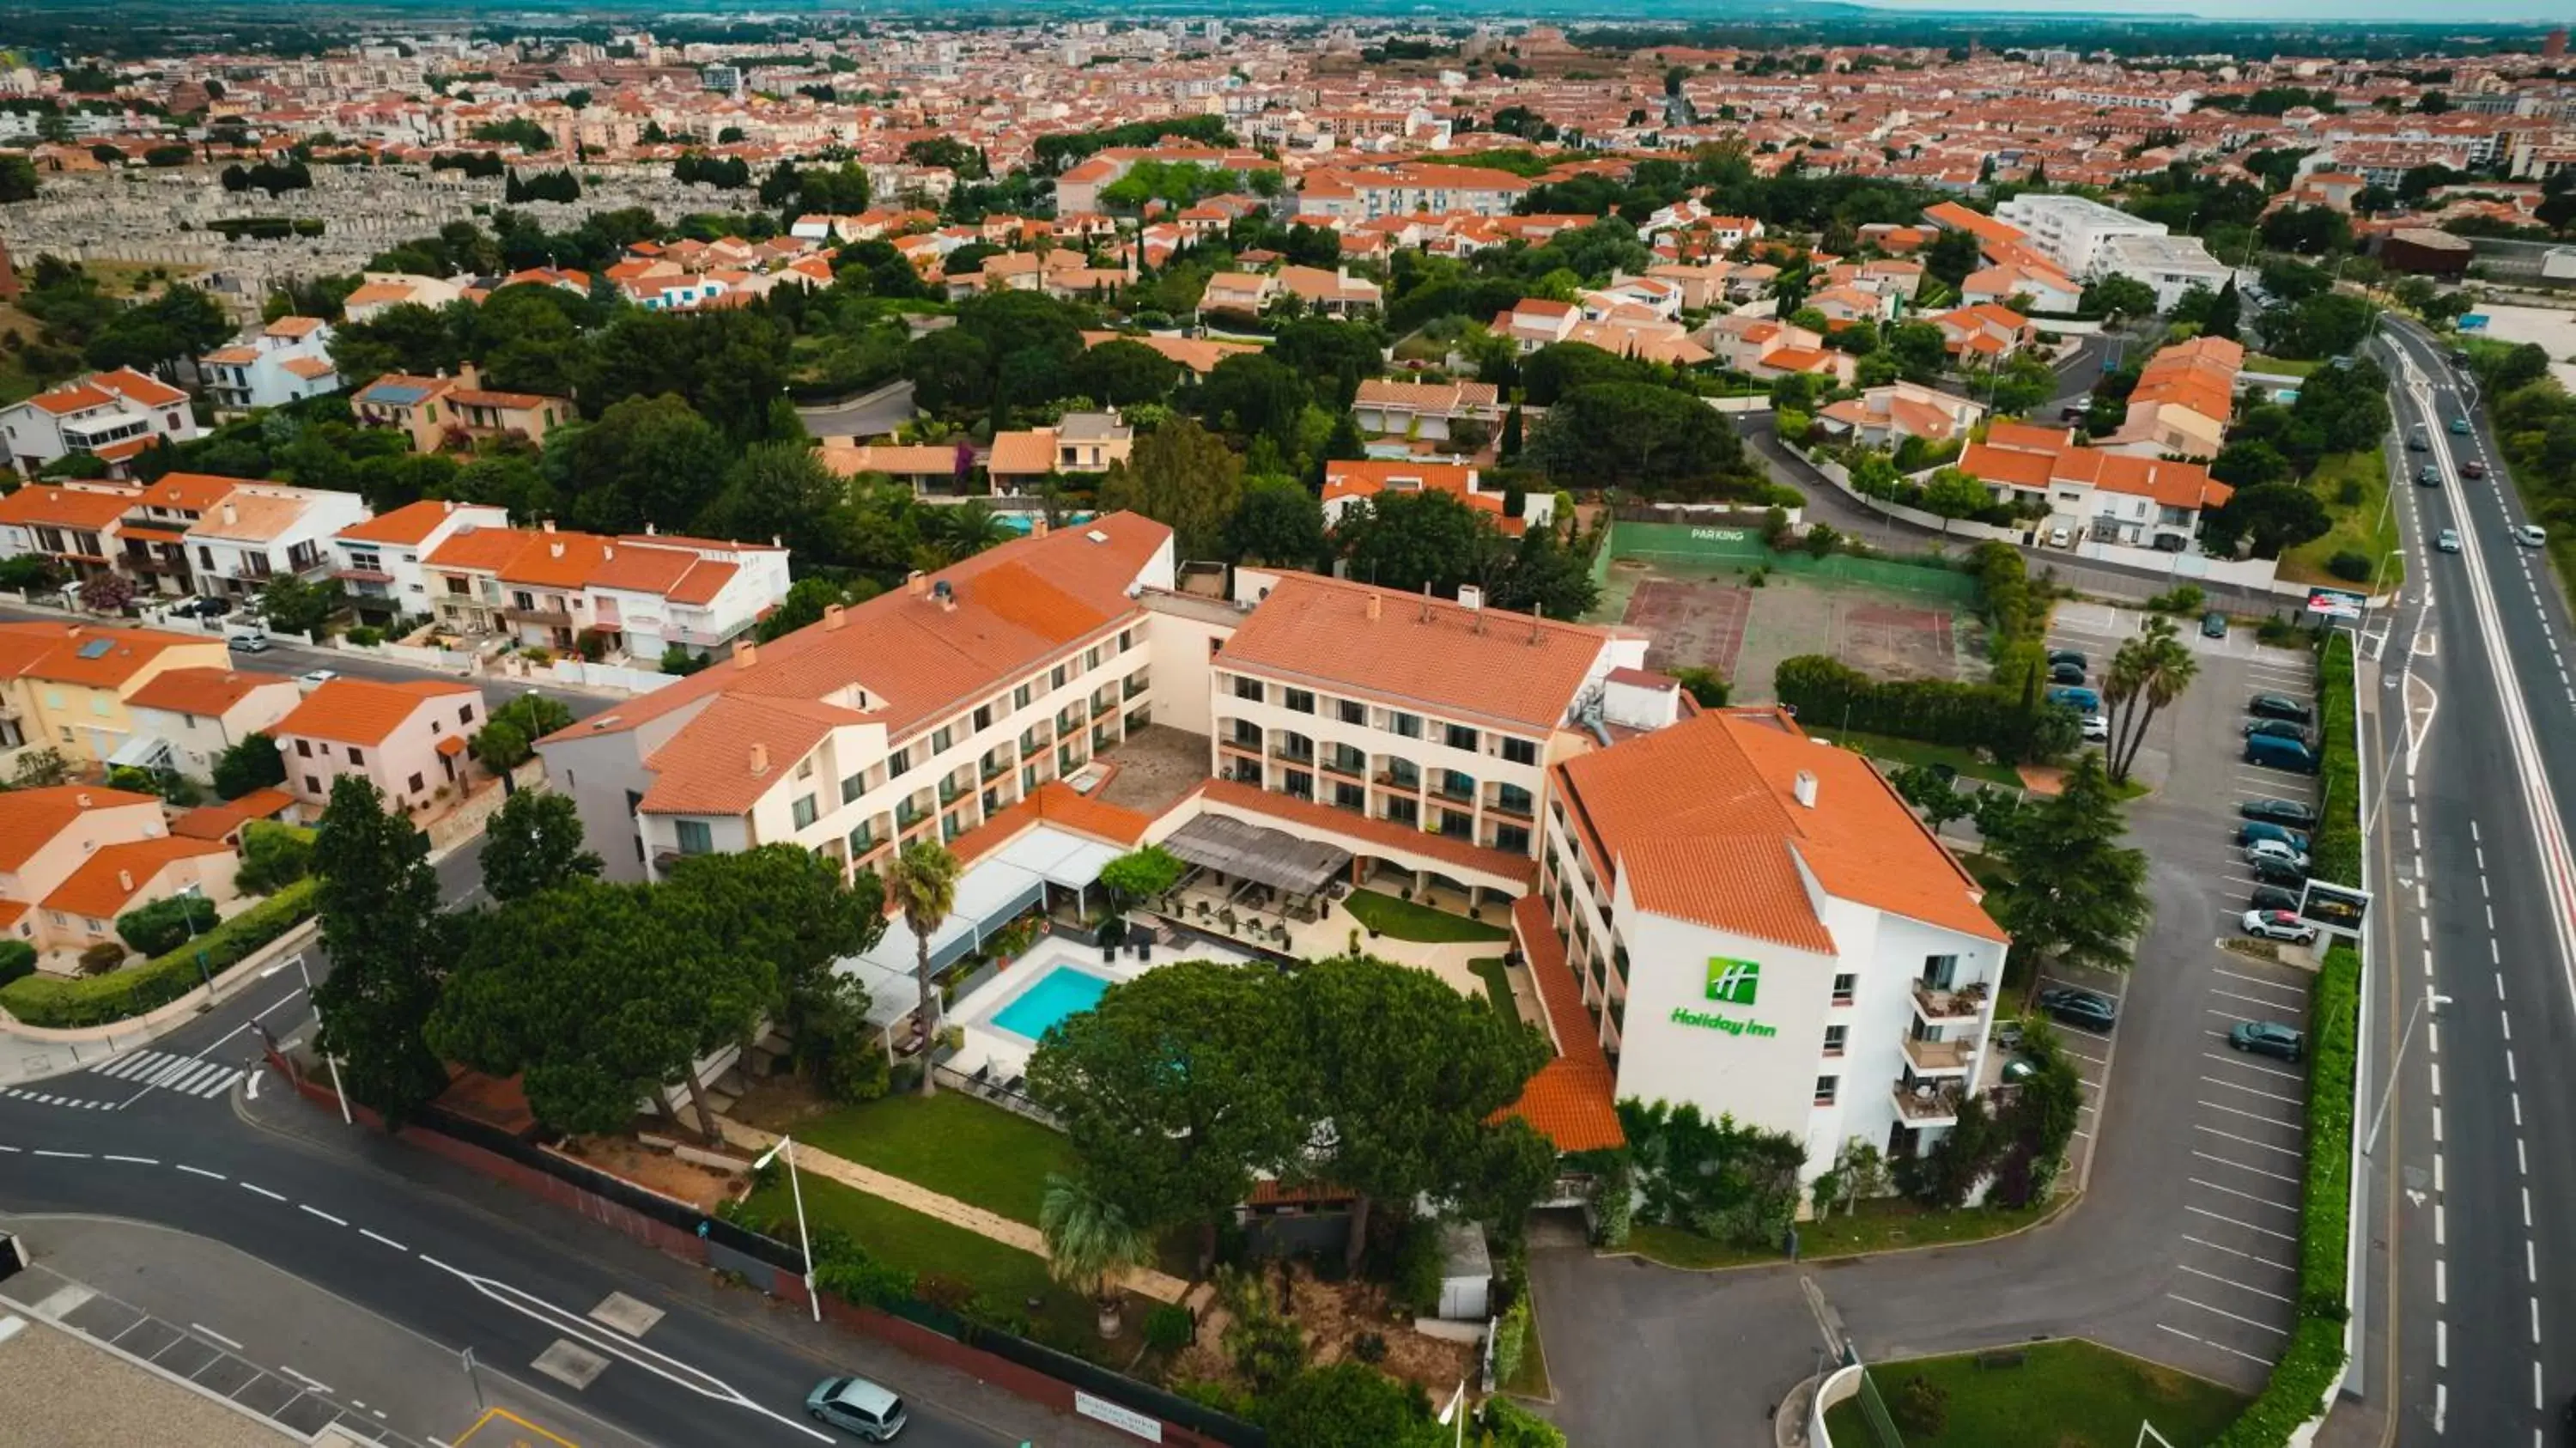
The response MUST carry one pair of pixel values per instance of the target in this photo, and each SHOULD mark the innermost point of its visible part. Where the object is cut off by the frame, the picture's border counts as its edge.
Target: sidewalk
(1145, 1281)
(32, 1053)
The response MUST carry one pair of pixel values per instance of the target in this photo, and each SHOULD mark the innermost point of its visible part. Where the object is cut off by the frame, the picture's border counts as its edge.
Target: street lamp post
(337, 1090)
(1457, 1410)
(796, 1189)
(2398, 1062)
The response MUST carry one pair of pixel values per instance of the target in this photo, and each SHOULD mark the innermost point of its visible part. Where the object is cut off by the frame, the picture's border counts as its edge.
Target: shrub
(55, 1003)
(1413, 1271)
(1922, 1406)
(274, 856)
(101, 958)
(365, 636)
(2185, 598)
(1507, 1424)
(166, 924)
(1168, 1328)
(1369, 1347)
(2349, 566)
(1511, 1340)
(252, 764)
(2335, 845)
(1828, 694)
(17, 960)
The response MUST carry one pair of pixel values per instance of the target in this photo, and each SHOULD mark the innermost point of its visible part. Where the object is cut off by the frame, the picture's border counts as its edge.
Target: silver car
(856, 1405)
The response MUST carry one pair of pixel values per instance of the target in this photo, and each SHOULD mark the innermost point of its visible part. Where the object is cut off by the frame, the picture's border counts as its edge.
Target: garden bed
(2366, 527)
(1885, 1224)
(1406, 920)
(2069, 1394)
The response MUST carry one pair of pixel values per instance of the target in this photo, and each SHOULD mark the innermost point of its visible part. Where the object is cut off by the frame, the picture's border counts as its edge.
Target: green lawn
(2367, 526)
(1881, 1225)
(952, 1143)
(2282, 366)
(1498, 987)
(2064, 1395)
(1406, 920)
(906, 1238)
(1914, 751)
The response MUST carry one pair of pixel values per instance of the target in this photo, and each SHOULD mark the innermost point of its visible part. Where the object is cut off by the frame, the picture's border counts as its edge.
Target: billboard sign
(2335, 603)
(2334, 907)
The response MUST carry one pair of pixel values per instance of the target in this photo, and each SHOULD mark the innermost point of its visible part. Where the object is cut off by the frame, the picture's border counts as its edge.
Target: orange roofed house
(1349, 483)
(641, 593)
(433, 411)
(74, 857)
(2110, 497)
(408, 737)
(111, 415)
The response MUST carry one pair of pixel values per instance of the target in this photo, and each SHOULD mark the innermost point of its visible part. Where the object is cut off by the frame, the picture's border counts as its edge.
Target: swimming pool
(1064, 991)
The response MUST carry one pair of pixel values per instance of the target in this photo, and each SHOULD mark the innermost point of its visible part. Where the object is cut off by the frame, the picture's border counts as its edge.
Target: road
(2481, 1150)
(870, 415)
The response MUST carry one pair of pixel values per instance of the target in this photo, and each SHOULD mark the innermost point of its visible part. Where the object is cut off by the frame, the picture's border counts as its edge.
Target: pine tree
(1511, 444)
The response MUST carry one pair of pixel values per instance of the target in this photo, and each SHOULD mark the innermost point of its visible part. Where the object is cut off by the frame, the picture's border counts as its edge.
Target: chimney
(125, 881)
(1470, 596)
(1372, 605)
(547, 526)
(1038, 526)
(916, 583)
(1538, 613)
(832, 614)
(555, 549)
(745, 653)
(648, 529)
(448, 506)
(759, 757)
(81, 799)
(231, 513)
(1805, 788)
(1425, 615)
(606, 551)
(468, 375)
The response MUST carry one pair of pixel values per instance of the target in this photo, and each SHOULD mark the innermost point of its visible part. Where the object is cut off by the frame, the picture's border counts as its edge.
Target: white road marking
(200, 1171)
(380, 1237)
(202, 1330)
(318, 1212)
(263, 1191)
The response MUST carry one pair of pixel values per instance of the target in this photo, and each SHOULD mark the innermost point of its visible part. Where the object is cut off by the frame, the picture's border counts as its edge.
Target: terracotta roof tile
(1570, 1100)
(73, 653)
(99, 889)
(218, 821)
(365, 711)
(210, 692)
(30, 818)
(409, 523)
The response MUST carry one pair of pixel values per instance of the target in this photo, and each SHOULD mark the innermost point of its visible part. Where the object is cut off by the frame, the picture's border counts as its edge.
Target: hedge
(52, 1001)
(1828, 695)
(2313, 1364)
(2334, 850)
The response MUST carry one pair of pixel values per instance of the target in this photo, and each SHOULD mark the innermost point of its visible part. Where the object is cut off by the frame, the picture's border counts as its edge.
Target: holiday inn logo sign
(1733, 983)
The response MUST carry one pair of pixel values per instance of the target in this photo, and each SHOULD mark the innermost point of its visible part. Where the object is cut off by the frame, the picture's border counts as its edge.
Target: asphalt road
(2483, 1143)
(870, 415)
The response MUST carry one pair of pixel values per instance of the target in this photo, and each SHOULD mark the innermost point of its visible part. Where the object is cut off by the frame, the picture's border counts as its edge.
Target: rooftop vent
(1096, 536)
(1804, 788)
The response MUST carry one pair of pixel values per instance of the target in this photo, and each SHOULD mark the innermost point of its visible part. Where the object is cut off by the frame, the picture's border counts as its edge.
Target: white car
(2529, 535)
(316, 678)
(2279, 925)
(2276, 852)
(2449, 542)
(2096, 728)
(2057, 538)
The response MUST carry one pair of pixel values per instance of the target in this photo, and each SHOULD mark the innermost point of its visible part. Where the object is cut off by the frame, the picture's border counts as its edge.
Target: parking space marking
(2250, 1116)
(2298, 990)
(2232, 1252)
(2238, 1059)
(2249, 1196)
(2254, 1170)
(2239, 1286)
(2230, 1316)
(2257, 1091)
(2249, 1141)
(2222, 1347)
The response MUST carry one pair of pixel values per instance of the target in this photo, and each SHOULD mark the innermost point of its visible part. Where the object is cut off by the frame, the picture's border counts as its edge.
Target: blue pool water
(1064, 992)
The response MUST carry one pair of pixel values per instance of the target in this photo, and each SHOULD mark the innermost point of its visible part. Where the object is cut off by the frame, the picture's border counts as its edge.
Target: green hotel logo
(1733, 982)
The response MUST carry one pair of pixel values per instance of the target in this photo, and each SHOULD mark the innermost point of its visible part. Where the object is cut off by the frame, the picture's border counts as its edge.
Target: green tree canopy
(1183, 476)
(533, 844)
(387, 941)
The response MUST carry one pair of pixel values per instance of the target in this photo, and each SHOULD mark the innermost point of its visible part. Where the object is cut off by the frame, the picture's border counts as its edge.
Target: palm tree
(1090, 1242)
(970, 528)
(923, 885)
(2148, 673)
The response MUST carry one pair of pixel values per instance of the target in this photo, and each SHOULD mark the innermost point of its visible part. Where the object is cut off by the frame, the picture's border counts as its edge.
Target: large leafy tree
(646, 460)
(1183, 476)
(796, 909)
(387, 941)
(1409, 541)
(1121, 373)
(2148, 673)
(1638, 435)
(533, 844)
(1404, 1073)
(923, 886)
(1177, 1087)
(254, 763)
(2077, 895)
(1351, 1405)
(1278, 522)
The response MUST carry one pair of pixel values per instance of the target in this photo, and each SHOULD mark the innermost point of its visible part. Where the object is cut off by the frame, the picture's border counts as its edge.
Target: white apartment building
(2172, 265)
(1733, 915)
(378, 559)
(262, 531)
(925, 710)
(111, 415)
(285, 361)
(2070, 230)
(640, 593)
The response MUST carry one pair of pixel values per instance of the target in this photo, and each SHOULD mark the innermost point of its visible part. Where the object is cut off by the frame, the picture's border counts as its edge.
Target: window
(1512, 838)
(415, 784)
(1091, 658)
(1844, 985)
(1247, 688)
(304, 747)
(1020, 697)
(940, 739)
(1939, 971)
(1351, 796)
(465, 715)
(694, 837)
(1299, 701)
(862, 839)
(900, 765)
(1826, 1089)
(312, 785)
(1057, 676)
(1124, 641)
(1512, 797)
(805, 767)
(1834, 1037)
(1349, 760)
(853, 787)
(1408, 725)
(983, 718)
(357, 755)
(802, 811)
(1403, 811)
(1354, 712)
(1459, 736)
(1520, 751)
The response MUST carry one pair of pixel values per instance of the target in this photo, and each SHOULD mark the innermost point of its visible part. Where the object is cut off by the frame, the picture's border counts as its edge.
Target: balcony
(949, 790)
(547, 617)
(1937, 1057)
(1136, 684)
(1348, 769)
(1036, 738)
(1961, 1003)
(908, 814)
(1928, 1103)
(1410, 783)
(995, 769)
(1290, 754)
(1521, 809)
(1455, 794)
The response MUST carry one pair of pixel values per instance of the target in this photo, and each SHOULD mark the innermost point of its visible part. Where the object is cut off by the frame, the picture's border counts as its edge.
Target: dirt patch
(658, 1171)
(2043, 779)
(1691, 625)
(1334, 1316)
(777, 1103)
(1722, 621)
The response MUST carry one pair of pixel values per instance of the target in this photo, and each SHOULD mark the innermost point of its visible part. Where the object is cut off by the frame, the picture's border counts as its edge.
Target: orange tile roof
(218, 821)
(1700, 823)
(201, 691)
(1016, 453)
(30, 818)
(409, 523)
(638, 569)
(252, 517)
(65, 507)
(99, 889)
(1570, 1100)
(738, 748)
(2013, 466)
(188, 492)
(1348, 824)
(54, 651)
(703, 582)
(365, 711)
(1431, 654)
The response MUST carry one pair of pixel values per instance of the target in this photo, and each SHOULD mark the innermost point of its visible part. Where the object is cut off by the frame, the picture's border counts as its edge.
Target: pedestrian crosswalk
(129, 1077)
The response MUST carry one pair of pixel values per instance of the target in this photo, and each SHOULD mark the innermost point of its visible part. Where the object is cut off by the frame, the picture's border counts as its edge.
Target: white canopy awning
(142, 751)
(990, 893)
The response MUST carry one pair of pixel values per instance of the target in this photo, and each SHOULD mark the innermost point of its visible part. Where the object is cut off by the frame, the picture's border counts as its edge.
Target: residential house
(378, 560)
(1884, 417)
(1985, 334)
(284, 361)
(1404, 189)
(1852, 306)
(74, 857)
(1080, 442)
(109, 415)
(198, 713)
(1425, 410)
(2043, 287)
(929, 469)
(155, 533)
(1329, 293)
(1199, 354)
(380, 290)
(2096, 493)
(639, 593)
(2183, 400)
(76, 526)
(407, 738)
(264, 531)
(438, 411)
(64, 686)
(1349, 482)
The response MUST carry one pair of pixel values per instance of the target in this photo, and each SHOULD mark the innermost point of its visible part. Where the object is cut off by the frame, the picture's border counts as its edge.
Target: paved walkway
(1160, 1286)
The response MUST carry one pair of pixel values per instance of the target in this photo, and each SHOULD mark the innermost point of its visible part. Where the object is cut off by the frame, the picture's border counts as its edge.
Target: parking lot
(2204, 1150)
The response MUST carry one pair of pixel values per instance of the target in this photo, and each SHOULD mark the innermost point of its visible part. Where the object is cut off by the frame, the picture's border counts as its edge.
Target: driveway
(872, 414)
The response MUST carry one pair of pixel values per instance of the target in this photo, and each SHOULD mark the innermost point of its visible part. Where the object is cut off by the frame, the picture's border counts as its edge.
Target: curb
(2058, 1207)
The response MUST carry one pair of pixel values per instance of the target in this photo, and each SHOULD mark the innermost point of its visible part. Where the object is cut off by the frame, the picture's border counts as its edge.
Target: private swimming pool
(1063, 991)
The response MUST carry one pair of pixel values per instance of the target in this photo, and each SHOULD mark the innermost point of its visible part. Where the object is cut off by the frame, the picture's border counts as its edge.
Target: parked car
(2268, 1038)
(2428, 476)
(2279, 706)
(2290, 754)
(2459, 427)
(2473, 469)
(2068, 656)
(2252, 830)
(2277, 852)
(2274, 897)
(2276, 729)
(2082, 701)
(2278, 925)
(2449, 542)
(858, 1406)
(2529, 535)
(2213, 625)
(2269, 871)
(2066, 673)
(2279, 811)
(201, 608)
(248, 643)
(2096, 729)
(2076, 1006)
(2058, 538)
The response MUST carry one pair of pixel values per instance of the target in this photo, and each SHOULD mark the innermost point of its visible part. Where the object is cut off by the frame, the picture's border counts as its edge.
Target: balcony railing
(1456, 794)
(908, 814)
(1135, 685)
(1965, 1002)
(996, 768)
(1035, 738)
(1289, 754)
(1521, 809)
(1928, 1103)
(1398, 781)
(949, 790)
(1941, 1056)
